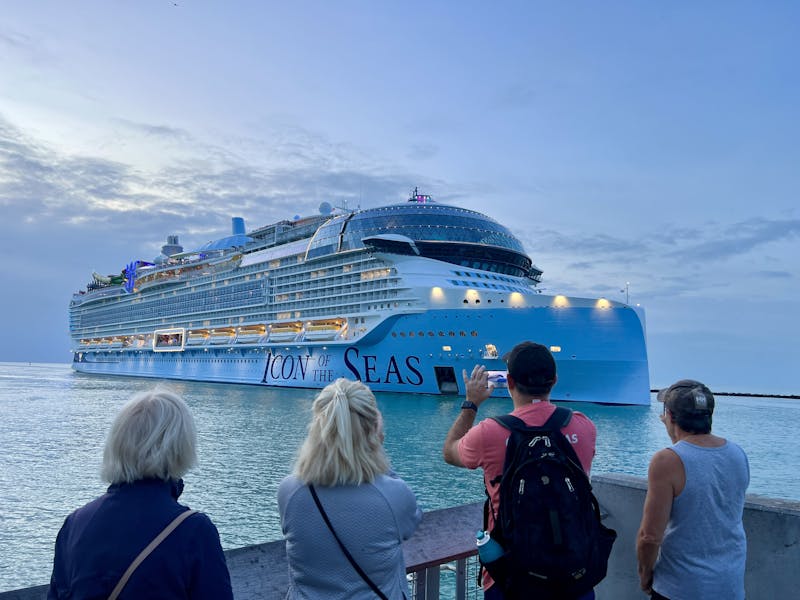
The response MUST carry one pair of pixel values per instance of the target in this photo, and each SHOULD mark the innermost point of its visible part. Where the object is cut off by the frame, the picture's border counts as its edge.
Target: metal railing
(457, 580)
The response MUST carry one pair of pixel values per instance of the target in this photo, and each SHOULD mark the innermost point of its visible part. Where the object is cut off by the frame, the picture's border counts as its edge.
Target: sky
(647, 146)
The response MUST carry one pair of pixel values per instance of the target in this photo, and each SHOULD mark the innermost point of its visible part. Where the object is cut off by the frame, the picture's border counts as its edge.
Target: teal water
(54, 423)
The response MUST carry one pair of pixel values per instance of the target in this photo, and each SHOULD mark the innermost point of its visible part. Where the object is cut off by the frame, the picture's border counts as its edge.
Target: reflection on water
(54, 423)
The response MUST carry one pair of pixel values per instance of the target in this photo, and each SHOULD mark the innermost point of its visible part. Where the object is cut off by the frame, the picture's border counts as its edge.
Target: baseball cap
(687, 397)
(531, 365)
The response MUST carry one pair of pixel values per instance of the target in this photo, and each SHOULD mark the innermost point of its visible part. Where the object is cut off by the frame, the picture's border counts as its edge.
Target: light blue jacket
(371, 520)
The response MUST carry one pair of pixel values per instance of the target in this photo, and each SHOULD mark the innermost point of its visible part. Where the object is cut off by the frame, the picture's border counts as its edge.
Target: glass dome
(443, 232)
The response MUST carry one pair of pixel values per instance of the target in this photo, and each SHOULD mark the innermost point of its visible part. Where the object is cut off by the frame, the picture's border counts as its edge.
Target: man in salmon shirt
(531, 376)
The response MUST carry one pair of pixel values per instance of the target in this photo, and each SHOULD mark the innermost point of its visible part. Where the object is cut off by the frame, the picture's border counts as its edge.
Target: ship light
(517, 299)
(555, 349)
(446, 348)
(560, 301)
(602, 303)
(437, 294)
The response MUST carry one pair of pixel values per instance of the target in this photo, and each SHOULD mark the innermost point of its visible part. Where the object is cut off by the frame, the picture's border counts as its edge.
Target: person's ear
(510, 383)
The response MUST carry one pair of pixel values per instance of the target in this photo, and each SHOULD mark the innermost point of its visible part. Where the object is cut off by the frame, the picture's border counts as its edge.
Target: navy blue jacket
(99, 541)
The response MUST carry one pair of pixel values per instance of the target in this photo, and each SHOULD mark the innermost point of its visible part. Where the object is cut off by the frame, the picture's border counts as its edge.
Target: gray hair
(153, 436)
(345, 437)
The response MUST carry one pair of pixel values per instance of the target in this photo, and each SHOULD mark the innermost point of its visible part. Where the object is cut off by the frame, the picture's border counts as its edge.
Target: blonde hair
(153, 436)
(345, 437)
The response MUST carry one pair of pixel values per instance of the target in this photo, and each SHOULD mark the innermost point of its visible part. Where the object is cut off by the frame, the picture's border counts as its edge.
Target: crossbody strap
(349, 556)
(148, 549)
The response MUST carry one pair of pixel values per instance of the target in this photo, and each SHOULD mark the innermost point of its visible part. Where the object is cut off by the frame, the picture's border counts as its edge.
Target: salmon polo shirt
(485, 446)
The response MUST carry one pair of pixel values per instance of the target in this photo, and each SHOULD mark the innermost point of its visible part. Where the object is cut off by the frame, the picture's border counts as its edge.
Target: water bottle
(488, 549)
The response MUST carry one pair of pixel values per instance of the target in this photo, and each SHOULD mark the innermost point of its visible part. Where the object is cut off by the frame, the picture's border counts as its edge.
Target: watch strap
(467, 404)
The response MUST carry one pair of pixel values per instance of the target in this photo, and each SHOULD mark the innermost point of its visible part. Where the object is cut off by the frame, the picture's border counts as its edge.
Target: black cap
(687, 397)
(531, 365)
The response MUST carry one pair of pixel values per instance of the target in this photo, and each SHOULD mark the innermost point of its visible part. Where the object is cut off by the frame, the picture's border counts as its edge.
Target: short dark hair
(532, 367)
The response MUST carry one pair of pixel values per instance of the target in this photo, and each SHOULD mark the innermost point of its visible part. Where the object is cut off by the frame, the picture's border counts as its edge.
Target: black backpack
(548, 521)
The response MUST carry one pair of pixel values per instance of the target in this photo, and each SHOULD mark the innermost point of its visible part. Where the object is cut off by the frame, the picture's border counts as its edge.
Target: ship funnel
(237, 225)
(172, 246)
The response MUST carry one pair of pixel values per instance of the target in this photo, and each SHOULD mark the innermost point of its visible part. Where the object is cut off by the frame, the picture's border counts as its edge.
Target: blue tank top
(704, 548)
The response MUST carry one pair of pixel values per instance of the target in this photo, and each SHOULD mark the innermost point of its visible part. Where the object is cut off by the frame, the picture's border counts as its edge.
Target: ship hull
(600, 354)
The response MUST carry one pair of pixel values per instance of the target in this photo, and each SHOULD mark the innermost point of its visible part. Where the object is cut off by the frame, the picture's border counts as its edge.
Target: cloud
(77, 194)
(422, 151)
(773, 274)
(515, 96)
(22, 46)
(159, 131)
(733, 240)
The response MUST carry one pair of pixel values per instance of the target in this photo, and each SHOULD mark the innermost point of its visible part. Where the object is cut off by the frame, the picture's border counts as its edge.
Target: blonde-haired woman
(151, 445)
(343, 513)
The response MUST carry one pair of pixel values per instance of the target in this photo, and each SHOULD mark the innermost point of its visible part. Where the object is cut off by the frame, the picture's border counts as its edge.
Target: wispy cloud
(41, 186)
(518, 95)
(159, 131)
(728, 241)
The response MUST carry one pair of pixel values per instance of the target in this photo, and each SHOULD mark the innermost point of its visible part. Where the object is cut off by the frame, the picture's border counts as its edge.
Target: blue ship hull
(600, 354)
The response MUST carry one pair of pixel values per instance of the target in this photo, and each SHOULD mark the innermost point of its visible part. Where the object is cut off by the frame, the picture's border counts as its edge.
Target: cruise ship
(403, 297)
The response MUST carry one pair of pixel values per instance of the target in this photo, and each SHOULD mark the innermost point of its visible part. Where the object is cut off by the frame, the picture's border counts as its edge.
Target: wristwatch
(467, 404)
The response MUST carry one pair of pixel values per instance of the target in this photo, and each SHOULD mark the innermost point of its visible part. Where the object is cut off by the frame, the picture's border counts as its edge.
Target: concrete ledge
(772, 527)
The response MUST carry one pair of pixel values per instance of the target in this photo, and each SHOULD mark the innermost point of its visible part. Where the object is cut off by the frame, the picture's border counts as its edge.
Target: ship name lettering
(323, 375)
(365, 368)
(287, 367)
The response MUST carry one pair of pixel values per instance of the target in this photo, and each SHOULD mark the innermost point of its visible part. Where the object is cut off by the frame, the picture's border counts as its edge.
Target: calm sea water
(54, 423)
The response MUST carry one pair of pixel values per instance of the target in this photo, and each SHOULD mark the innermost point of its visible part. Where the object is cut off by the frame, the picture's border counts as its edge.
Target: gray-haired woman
(342, 488)
(151, 445)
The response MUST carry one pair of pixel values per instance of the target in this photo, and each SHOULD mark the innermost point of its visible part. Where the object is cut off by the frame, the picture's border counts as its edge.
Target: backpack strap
(510, 422)
(559, 419)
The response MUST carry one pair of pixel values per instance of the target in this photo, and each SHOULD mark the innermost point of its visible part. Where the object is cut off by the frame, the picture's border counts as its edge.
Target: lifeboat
(323, 330)
(251, 334)
(196, 337)
(222, 335)
(285, 332)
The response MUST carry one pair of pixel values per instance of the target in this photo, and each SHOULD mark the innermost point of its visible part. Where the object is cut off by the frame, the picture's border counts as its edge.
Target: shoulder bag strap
(148, 549)
(349, 556)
